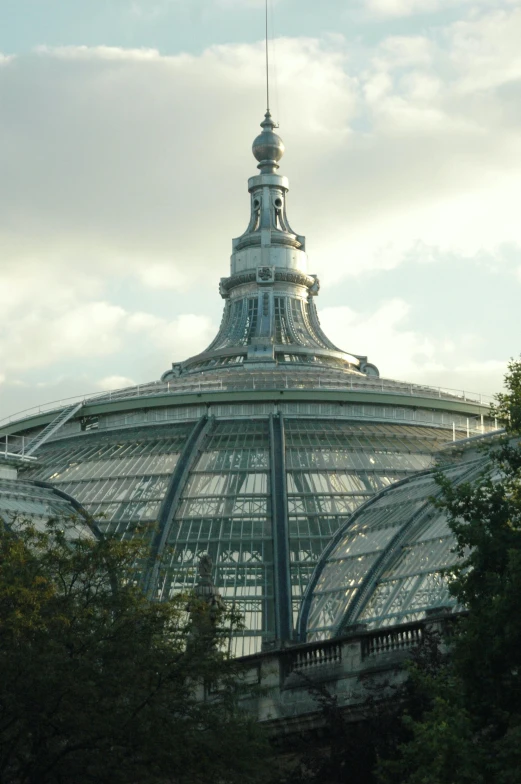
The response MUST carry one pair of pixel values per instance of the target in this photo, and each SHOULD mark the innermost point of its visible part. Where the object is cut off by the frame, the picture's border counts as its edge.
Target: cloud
(38, 338)
(397, 8)
(404, 353)
(135, 166)
(184, 335)
(131, 161)
(152, 11)
(97, 329)
(383, 333)
(115, 382)
(124, 178)
(388, 9)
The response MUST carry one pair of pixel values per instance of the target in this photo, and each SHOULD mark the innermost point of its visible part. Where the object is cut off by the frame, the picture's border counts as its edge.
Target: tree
(346, 750)
(98, 684)
(471, 729)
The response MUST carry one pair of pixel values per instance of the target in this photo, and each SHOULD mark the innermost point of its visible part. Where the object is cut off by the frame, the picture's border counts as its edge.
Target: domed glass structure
(255, 451)
(36, 503)
(386, 565)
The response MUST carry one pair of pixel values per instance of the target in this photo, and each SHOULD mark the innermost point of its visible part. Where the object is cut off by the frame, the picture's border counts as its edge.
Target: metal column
(170, 502)
(279, 502)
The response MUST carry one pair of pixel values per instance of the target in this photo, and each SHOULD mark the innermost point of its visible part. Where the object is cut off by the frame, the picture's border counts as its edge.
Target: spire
(269, 227)
(269, 316)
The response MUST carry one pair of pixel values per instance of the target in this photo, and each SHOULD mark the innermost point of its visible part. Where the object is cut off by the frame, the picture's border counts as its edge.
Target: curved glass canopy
(386, 565)
(261, 492)
(25, 502)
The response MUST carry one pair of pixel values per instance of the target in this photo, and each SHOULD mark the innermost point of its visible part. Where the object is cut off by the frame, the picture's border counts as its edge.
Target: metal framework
(263, 496)
(33, 502)
(256, 451)
(386, 565)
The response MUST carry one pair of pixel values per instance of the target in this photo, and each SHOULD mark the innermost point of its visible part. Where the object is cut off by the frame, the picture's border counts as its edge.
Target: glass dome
(260, 487)
(385, 566)
(255, 451)
(28, 502)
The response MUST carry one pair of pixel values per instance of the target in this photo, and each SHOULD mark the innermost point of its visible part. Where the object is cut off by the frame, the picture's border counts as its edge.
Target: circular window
(278, 202)
(256, 204)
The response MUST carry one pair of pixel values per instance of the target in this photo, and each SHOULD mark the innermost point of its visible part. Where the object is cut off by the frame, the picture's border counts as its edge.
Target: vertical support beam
(279, 504)
(167, 512)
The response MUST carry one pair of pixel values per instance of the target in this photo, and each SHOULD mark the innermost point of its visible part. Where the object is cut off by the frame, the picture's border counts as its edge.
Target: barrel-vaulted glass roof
(260, 491)
(386, 565)
(28, 502)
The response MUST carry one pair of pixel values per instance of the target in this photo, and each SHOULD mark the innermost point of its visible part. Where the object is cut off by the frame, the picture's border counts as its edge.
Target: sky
(125, 149)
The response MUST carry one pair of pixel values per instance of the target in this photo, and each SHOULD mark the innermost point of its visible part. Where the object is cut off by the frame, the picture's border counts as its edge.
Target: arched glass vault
(35, 503)
(262, 494)
(386, 565)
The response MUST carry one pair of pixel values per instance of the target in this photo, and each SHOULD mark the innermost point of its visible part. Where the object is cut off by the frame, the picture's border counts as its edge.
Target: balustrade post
(351, 654)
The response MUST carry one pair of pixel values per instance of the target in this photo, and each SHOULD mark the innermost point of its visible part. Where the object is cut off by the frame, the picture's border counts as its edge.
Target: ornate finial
(206, 604)
(204, 588)
(268, 147)
(205, 569)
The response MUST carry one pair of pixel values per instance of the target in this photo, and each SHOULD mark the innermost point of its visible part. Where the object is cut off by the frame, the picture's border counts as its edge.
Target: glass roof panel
(397, 547)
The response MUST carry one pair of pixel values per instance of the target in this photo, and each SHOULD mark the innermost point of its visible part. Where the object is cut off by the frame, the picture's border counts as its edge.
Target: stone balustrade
(349, 668)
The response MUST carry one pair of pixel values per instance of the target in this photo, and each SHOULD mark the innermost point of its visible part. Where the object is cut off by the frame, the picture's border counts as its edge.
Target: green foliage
(471, 728)
(343, 751)
(347, 751)
(98, 684)
(508, 404)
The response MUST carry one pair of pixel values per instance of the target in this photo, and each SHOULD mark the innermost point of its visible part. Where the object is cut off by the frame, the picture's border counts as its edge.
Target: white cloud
(183, 336)
(232, 4)
(404, 8)
(97, 53)
(97, 329)
(126, 169)
(39, 338)
(163, 275)
(385, 334)
(130, 158)
(135, 169)
(404, 353)
(151, 11)
(115, 382)
(405, 50)
(390, 8)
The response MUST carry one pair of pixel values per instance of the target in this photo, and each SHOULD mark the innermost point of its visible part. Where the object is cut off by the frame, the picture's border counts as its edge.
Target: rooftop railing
(252, 382)
(13, 448)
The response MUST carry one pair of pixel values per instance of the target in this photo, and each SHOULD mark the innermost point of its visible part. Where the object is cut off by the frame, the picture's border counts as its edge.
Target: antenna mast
(267, 61)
